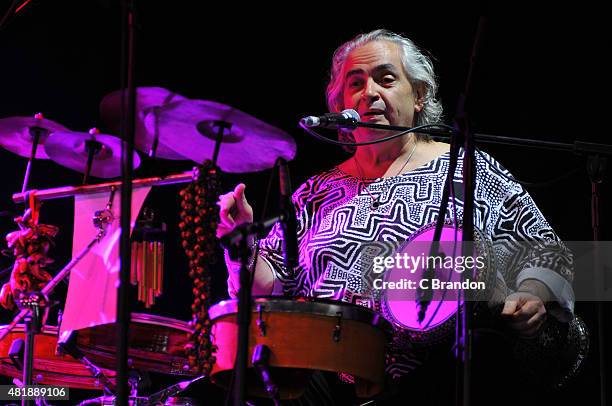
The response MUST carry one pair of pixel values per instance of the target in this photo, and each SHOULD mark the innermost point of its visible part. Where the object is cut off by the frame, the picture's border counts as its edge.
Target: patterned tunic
(335, 219)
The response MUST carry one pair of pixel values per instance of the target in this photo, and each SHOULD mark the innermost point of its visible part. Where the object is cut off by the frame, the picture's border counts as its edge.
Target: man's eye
(388, 79)
(355, 83)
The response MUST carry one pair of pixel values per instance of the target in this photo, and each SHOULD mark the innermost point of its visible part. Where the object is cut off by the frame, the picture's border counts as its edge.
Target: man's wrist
(233, 266)
(536, 288)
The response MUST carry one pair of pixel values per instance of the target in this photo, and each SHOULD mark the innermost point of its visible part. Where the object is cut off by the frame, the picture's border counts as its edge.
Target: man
(387, 191)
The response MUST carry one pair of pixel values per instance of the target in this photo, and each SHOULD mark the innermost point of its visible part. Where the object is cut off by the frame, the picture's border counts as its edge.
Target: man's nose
(370, 92)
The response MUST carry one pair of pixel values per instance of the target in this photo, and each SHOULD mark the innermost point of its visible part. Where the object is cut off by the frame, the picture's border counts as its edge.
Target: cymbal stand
(153, 150)
(36, 133)
(92, 148)
(222, 126)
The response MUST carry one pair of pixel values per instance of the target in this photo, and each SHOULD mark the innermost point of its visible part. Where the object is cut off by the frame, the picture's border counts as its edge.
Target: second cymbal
(16, 134)
(70, 149)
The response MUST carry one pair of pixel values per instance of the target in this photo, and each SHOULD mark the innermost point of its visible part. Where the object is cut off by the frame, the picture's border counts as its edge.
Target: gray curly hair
(417, 66)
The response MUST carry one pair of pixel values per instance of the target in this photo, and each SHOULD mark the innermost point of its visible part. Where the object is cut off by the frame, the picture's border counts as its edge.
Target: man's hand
(233, 210)
(524, 310)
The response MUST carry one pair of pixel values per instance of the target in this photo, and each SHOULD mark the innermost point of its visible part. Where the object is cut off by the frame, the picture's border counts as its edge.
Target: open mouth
(371, 113)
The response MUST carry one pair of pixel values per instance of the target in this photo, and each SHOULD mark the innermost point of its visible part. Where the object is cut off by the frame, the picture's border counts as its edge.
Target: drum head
(420, 292)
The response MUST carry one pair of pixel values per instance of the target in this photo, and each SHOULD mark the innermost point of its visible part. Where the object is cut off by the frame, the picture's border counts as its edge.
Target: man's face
(376, 86)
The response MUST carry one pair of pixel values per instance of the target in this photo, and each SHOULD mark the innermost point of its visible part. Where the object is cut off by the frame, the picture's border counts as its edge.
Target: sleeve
(270, 251)
(527, 247)
(287, 281)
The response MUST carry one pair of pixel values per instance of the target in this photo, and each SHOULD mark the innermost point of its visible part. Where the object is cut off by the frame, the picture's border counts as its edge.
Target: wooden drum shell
(301, 339)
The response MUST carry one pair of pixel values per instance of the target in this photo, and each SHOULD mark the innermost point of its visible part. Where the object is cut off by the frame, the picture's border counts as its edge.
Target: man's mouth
(373, 112)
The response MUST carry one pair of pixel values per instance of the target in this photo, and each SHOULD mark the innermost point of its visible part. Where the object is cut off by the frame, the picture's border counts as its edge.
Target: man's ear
(419, 96)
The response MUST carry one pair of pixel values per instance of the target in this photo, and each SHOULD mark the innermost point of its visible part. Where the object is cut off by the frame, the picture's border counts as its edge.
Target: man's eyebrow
(386, 67)
(353, 72)
(380, 68)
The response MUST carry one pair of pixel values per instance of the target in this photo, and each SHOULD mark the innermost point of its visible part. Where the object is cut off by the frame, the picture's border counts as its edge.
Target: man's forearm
(263, 283)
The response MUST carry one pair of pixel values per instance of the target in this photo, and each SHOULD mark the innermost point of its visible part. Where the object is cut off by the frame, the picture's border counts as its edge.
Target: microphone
(346, 120)
(288, 220)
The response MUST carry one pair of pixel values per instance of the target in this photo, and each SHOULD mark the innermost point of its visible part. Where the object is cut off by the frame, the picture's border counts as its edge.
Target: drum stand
(133, 384)
(160, 397)
(156, 399)
(260, 360)
(69, 347)
(33, 304)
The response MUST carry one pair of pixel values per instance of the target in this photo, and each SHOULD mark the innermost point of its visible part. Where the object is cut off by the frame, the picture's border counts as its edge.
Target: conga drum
(303, 335)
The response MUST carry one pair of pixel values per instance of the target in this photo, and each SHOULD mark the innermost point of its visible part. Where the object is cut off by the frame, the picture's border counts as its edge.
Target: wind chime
(147, 270)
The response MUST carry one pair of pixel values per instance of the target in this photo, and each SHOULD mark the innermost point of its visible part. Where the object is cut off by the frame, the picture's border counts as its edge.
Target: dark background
(539, 76)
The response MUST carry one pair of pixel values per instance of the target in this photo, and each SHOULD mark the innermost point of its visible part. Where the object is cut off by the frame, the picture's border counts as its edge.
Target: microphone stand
(129, 22)
(463, 331)
(237, 244)
(596, 167)
(243, 320)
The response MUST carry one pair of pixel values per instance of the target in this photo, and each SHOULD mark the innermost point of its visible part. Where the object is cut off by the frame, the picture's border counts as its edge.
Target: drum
(49, 367)
(303, 336)
(155, 344)
(400, 295)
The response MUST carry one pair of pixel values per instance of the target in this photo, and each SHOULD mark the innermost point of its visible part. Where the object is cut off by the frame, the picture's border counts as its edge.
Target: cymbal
(69, 149)
(147, 100)
(250, 145)
(15, 134)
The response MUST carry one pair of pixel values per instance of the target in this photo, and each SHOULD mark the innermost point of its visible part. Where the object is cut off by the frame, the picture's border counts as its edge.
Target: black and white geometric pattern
(336, 221)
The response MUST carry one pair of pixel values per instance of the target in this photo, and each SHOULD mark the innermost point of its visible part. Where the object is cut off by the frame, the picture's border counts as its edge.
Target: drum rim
(163, 321)
(20, 328)
(321, 307)
(142, 318)
(150, 320)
